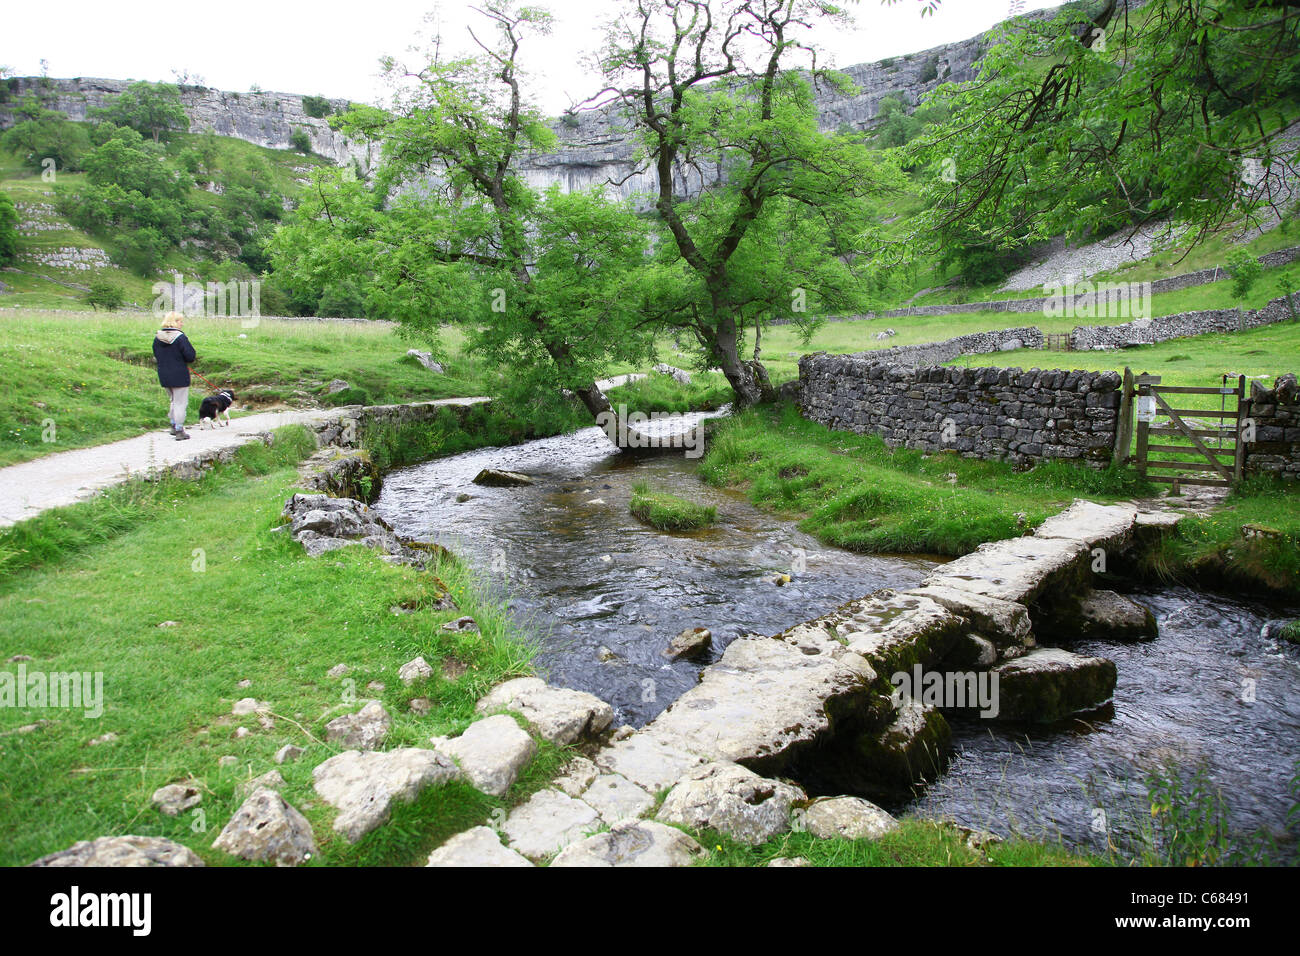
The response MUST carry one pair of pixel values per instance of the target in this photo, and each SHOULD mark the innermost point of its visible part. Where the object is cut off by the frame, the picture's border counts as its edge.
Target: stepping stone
(558, 714)
(648, 760)
(617, 799)
(364, 730)
(577, 777)
(491, 752)
(363, 785)
(1105, 526)
(733, 800)
(477, 847)
(123, 851)
(1049, 683)
(547, 823)
(638, 843)
(266, 828)
(850, 818)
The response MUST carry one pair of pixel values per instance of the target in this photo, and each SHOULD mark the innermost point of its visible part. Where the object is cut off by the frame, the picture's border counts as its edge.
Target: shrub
(300, 141)
(106, 293)
(929, 70)
(317, 107)
(8, 229)
(1244, 269)
(669, 512)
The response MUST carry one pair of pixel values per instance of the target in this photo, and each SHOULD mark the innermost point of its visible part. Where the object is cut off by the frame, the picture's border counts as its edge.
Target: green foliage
(104, 293)
(317, 107)
(1064, 134)
(929, 70)
(300, 140)
(668, 512)
(8, 229)
(542, 282)
(152, 109)
(44, 135)
(1245, 270)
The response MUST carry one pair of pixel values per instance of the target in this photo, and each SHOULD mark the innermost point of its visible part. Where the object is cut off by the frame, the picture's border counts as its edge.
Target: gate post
(1124, 431)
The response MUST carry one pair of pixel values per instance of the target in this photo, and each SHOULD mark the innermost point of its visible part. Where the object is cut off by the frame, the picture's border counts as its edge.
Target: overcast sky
(333, 48)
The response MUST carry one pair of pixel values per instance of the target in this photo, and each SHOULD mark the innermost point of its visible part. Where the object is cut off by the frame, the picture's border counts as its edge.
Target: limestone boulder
(496, 478)
(650, 760)
(267, 828)
(639, 843)
(1106, 615)
(175, 798)
(364, 785)
(849, 818)
(491, 752)
(123, 851)
(690, 644)
(733, 800)
(558, 714)
(364, 730)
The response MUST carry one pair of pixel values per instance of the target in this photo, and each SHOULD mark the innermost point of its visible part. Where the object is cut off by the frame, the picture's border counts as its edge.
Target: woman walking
(174, 353)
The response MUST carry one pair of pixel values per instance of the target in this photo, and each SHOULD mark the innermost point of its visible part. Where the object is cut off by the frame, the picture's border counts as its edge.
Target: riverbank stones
(491, 752)
(557, 714)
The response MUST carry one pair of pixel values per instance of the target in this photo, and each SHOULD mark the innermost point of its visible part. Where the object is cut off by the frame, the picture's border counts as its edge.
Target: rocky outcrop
(322, 524)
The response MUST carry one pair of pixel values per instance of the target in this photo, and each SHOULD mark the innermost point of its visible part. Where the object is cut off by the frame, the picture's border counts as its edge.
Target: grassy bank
(208, 558)
(852, 491)
(1251, 543)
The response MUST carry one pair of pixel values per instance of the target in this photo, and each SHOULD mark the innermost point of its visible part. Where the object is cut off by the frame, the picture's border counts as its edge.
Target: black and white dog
(214, 406)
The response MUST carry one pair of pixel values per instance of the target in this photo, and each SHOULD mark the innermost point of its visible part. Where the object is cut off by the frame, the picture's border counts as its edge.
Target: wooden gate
(1179, 445)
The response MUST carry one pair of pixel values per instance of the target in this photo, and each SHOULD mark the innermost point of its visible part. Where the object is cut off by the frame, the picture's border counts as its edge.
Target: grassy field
(852, 491)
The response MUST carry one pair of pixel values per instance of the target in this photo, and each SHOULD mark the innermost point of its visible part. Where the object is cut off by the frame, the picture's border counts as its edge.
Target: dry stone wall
(997, 413)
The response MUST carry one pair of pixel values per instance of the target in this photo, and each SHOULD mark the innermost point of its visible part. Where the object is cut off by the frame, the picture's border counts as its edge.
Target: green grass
(168, 691)
(669, 512)
(93, 376)
(1214, 550)
(707, 391)
(852, 491)
(915, 843)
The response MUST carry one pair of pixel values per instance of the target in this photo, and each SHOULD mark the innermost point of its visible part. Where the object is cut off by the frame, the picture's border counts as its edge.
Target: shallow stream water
(604, 594)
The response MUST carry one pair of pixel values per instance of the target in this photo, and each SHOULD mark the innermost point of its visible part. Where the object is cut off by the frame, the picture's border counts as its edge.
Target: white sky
(332, 48)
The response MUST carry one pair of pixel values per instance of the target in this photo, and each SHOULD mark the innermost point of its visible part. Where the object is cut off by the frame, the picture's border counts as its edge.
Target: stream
(603, 594)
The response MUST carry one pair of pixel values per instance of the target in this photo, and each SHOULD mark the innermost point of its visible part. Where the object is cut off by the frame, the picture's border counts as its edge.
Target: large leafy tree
(544, 283)
(1106, 117)
(153, 109)
(762, 214)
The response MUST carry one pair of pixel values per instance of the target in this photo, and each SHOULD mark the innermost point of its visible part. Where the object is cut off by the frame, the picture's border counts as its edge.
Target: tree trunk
(749, 380)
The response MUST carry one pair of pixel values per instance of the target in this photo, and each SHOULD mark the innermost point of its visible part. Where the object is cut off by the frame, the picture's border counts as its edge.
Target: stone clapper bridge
(810, 708)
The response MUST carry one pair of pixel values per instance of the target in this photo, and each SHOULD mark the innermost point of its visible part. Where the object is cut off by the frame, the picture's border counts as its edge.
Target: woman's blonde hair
(171, 318)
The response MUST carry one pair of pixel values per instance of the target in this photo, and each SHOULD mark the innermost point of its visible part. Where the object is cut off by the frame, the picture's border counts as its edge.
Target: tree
(317, 107)
(8, 230)
(45, 134)
(1108, 118)
(545, 283)
(104, 293)
(1245, 270)
(761, 211)
(153, 109)
(299, 140)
